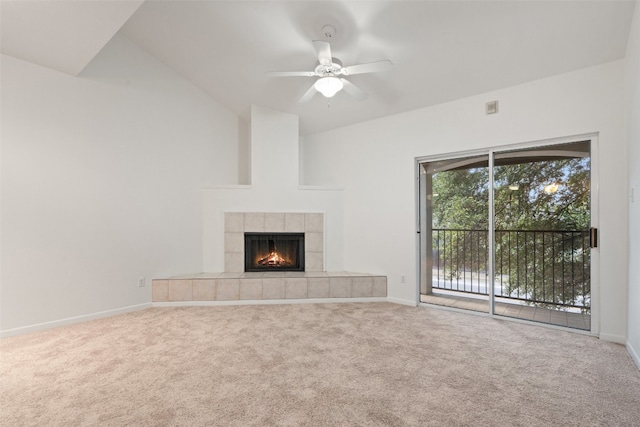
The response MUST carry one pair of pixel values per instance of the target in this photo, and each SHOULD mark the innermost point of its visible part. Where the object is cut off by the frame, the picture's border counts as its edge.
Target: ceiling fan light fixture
(328, 86)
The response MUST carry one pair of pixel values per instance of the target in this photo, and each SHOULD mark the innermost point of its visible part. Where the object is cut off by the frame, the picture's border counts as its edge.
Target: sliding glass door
(522, 249)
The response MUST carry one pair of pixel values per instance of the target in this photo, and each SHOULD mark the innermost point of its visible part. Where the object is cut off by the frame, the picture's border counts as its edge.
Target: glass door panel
(541, 234)
(454, 210)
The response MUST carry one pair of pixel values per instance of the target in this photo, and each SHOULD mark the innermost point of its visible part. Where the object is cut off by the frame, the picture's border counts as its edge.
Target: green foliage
(549, 197)
(530, 207)
(460, 199)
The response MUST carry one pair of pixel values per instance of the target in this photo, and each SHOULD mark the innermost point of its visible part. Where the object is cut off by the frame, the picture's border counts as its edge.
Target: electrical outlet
(403, 279)
(141, 282)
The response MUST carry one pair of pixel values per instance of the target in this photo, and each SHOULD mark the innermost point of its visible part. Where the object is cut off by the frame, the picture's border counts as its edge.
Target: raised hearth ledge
(268, 287)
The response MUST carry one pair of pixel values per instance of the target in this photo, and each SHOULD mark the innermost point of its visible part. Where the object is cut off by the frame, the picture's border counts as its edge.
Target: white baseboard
(72, 320)
(634, 354)
(613, 338)
(265, 302)
(402, 301)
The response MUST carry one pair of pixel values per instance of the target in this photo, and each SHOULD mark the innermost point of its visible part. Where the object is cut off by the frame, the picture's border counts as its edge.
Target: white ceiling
(63, 35)
(441, 50)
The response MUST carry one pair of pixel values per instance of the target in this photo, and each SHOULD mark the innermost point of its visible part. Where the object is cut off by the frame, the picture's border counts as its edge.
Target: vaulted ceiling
(441, 50)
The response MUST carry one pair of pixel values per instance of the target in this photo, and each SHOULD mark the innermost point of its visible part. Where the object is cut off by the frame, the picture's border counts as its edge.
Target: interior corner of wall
(634, 353)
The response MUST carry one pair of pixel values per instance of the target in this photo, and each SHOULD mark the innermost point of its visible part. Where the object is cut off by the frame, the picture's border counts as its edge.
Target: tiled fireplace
(234, 284)
(231, 211)
(236, 224)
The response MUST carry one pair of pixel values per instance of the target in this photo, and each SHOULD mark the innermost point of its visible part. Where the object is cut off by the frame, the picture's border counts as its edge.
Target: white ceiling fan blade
(369, 67)
(324, 52)
(308, 94)
(354, 90)
(290, 74)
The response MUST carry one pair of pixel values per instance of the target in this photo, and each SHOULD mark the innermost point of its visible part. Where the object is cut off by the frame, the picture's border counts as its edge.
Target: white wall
(101, 182)
(274, 150)
(632, 92)
(375, 162)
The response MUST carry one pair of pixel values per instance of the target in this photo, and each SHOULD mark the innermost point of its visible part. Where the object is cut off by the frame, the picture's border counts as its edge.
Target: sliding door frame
(420, 214)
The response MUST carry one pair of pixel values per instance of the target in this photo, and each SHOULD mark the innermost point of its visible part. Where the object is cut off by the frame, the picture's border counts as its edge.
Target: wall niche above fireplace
(274, 252)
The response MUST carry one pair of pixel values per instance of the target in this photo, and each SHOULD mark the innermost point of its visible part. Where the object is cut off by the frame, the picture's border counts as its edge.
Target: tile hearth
(268, 286)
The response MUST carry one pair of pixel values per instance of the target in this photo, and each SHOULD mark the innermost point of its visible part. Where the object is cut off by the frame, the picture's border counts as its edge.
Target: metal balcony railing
(541, 267)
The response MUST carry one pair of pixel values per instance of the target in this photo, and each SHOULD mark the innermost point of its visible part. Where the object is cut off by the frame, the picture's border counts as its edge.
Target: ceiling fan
(330, 74)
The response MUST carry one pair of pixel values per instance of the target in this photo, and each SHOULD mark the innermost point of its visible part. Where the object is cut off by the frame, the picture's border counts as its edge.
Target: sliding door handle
(593, 237)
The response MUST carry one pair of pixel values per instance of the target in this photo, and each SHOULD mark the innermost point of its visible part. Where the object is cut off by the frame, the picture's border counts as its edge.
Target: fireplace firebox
(273, 252)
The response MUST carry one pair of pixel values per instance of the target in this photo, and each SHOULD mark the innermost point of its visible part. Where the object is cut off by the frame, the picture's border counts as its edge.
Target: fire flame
(272, 259)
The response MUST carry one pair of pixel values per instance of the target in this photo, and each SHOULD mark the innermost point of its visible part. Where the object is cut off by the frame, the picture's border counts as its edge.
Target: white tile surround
(236, 285)
(238, 223)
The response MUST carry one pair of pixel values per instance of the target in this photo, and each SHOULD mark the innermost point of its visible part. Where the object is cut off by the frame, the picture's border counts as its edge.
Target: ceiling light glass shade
(328, 86)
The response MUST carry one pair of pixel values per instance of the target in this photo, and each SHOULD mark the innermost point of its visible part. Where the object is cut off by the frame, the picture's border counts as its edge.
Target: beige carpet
(335, 364)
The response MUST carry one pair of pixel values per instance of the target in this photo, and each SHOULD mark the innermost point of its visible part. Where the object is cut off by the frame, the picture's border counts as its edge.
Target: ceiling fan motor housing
(335, 69)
